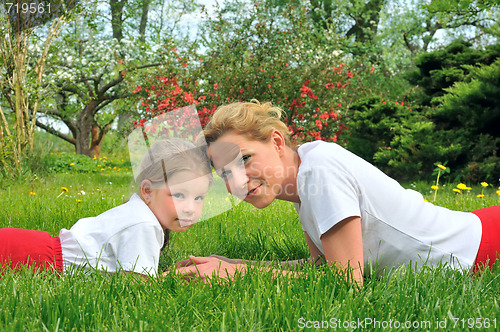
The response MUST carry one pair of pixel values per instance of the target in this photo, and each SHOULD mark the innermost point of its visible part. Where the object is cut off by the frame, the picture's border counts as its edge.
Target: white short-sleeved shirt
(398, 226)
(127, 237)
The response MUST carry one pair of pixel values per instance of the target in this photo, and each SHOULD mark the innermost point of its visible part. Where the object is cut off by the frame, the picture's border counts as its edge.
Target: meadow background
(432, 299)
(406, 85)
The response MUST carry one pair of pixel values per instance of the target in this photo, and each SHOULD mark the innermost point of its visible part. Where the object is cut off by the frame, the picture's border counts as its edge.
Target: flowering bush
(262, 56)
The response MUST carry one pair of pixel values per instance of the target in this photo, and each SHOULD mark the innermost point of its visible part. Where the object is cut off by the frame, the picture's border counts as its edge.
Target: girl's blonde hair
(167, 157)
(252, 119)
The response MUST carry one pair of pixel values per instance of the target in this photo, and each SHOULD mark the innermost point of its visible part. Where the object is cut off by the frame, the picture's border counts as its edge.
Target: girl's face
(257, 174)
(178, 205)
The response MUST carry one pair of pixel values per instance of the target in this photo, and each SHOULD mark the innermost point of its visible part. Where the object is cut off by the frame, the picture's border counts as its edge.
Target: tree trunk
(84, 128)
(144, 20)
(117, 18)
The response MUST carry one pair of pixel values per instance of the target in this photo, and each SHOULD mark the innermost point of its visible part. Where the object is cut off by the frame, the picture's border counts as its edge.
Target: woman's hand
(208, 267)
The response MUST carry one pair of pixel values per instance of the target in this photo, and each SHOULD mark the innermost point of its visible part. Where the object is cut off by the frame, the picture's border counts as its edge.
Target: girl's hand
(208, 267)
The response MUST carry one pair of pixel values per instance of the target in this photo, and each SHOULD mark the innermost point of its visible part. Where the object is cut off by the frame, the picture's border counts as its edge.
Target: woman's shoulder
(321, 152)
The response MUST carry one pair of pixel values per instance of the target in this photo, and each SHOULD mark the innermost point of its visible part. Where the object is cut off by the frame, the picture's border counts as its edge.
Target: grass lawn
(433, 299)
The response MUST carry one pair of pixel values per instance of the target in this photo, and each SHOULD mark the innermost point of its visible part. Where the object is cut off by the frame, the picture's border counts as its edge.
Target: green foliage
(440, 69)
(399, 140)
(472, 106)
(462, 84)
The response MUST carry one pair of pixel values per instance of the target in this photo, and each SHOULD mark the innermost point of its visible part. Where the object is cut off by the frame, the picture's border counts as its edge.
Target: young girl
(352, 214)
(130, 236)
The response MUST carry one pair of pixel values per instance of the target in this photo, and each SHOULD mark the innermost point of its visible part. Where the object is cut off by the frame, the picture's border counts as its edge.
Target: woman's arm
(317, 258)
(226, 267)
(343, 247)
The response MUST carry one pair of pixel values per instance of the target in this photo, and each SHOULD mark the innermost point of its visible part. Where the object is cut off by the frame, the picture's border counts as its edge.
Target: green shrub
(400, 141)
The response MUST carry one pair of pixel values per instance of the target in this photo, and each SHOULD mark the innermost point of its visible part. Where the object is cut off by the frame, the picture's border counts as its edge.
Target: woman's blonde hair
(252, 119)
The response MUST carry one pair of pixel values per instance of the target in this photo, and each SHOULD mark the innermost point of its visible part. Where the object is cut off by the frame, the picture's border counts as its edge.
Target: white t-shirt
(127, 237)
(398, 226)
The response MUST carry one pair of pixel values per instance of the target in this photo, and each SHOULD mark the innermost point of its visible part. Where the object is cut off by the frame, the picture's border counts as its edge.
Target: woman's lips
(254, 191)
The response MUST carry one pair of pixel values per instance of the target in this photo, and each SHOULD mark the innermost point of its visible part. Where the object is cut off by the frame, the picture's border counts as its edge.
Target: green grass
(259, 301)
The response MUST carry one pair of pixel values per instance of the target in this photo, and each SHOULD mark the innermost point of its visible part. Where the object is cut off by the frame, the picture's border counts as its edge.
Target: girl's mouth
(186, 222)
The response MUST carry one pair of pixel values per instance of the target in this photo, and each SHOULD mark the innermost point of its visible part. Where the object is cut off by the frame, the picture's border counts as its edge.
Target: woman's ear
(146, 190)
(278, 140)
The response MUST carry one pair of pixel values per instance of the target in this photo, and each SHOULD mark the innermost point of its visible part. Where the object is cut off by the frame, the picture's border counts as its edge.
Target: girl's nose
(238, 184)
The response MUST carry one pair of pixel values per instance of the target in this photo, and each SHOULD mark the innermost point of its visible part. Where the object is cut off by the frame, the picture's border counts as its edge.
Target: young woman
(174, 179)
(353, 215)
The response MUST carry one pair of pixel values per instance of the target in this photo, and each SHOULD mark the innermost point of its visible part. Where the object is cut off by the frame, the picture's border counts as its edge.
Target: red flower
(349, 74)
(242, 90)
(216, 86)
(371, 70)
(137, 89)
(329, 85)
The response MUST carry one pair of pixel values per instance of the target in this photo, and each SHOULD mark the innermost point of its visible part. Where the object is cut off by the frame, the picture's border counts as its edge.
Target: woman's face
(256, 175)
(178, 205)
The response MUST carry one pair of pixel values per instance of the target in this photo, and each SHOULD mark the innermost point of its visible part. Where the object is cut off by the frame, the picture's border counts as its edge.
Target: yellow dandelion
(457, 190)
(114, 167)
(480, 196)
(425, 200)
(78, 200)
(442, 167)
(102, 169)
(498, 192)
(99, 165)
(468, 188)
(461, 186)
(63, 190)
(484, 184)
(34, 193)
(434, 187)
(72, 164)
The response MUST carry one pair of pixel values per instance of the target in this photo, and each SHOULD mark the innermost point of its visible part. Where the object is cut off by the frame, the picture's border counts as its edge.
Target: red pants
(36, 249)
(489, 249)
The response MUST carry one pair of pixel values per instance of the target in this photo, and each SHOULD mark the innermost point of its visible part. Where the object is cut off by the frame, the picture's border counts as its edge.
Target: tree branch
(56, 133)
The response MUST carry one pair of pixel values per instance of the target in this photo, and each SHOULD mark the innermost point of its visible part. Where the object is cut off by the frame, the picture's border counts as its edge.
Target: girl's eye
(245, 158)
(178, 195)
(200, 198)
